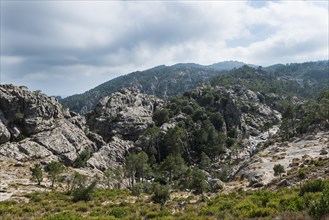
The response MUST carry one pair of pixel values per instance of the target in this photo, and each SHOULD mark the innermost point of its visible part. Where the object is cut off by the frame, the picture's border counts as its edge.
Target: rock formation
(34, 126)
(126, 113)
(118, 120)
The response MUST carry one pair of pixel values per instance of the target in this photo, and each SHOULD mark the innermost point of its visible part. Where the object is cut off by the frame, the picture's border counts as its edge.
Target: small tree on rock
(54, 168)
(37, 173)
(82, 158)
(278, 169)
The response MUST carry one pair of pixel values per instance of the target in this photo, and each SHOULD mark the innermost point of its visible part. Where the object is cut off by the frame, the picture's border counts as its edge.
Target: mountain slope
(301, 79)
(162, 81)
(304, 80)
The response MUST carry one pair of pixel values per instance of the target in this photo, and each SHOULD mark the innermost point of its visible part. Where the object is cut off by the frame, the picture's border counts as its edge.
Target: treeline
(304, 80)
(306, 116)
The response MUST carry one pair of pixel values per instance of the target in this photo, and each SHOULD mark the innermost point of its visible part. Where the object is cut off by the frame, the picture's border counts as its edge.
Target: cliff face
(34, 126)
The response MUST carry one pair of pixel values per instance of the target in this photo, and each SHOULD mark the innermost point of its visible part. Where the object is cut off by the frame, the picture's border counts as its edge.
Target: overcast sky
(68, 47)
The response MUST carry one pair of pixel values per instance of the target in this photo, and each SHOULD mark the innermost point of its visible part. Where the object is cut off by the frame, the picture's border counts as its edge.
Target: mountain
(162, 81)
(301, 79)
(228, 65)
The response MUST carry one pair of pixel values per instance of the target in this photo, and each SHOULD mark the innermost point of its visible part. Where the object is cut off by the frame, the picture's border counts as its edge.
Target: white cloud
(85, 42)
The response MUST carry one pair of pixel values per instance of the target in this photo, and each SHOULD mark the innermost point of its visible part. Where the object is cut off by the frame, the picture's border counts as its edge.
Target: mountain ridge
(167, 81)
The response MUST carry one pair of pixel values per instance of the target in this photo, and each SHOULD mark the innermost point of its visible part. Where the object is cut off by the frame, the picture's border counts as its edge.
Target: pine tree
(37, 173)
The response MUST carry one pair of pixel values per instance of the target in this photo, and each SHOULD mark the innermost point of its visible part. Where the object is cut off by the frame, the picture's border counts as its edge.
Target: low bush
(118, 212)
(65, 216)
(317, 185)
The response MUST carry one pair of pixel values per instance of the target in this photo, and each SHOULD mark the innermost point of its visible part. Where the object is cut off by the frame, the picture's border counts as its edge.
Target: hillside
(303, 80)
(162, 81)
(167, 81)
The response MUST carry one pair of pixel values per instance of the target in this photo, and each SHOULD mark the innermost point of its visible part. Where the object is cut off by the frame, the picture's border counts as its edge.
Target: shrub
(82, 158)
(151, 215)
(278, 169)
(259, 212)
(317, 185)
(292, 203)
(137, 189)
(65, 216)
(118, 212)
(82, 208)
(84, 193)
(161, 193)
(320, 209)
(301, 174)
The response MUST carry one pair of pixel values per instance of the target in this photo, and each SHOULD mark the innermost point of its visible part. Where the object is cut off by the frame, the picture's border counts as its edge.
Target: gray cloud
(69, 47)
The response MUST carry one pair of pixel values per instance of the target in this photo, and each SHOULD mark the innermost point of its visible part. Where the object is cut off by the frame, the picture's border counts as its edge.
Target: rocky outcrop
(117, 122)
(111, 154)
(244, 110)
(34, 126)
(126, 113)
(292, 155)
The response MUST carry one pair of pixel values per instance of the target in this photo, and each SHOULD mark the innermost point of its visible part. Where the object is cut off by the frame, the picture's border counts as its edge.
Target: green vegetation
(37, 173)
(305, 117)
(285, 203)
(162, 81)
(302, 79)
(114, 176)
(82, 158)
(278, 169)
(54, 168)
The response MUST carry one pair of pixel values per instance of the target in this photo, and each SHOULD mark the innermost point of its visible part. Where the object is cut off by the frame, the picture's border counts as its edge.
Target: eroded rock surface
(126, 112)
(34, 126)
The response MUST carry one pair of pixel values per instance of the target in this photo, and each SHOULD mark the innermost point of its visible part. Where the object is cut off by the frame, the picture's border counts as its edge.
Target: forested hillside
(303, 80)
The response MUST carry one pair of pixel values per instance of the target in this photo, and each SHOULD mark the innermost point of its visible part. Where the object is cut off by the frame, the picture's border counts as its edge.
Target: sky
(68, 47)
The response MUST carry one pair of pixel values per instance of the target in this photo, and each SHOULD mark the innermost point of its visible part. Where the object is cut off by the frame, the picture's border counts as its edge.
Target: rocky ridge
(37, 127)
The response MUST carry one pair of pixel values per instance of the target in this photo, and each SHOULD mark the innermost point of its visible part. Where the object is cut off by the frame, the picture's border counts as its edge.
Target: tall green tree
(113, 176)
(136, 167)
(173, 167)
(199, 181)
(150, 142)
